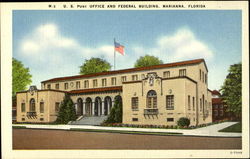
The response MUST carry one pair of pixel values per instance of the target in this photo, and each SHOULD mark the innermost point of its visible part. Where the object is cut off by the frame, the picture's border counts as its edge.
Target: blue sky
(55, 43)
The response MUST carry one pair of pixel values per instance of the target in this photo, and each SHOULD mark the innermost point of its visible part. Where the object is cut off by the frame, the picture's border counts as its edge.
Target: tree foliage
(94, 65)
(67, 111)
(21, 76)
(231, 90)
(147, 60)
(115, 115)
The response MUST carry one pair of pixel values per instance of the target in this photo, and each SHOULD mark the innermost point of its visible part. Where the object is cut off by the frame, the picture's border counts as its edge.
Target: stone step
(90, 120)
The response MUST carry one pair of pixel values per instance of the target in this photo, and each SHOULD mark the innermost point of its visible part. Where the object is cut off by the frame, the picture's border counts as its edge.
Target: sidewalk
(211, 130)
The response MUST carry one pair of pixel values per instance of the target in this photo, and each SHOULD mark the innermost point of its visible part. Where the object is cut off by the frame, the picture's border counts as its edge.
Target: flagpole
(114, 54)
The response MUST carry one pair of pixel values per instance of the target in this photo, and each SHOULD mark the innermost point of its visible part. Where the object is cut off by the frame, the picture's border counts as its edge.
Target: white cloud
(55, 54)
(181, 45)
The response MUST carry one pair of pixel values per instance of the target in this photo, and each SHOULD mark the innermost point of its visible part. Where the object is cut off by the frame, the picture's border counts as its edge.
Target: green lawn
(125, 132)
(233, 128)
(19, 127)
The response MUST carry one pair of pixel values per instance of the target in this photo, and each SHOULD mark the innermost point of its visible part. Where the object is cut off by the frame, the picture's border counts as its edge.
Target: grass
(125, 132)
(19, 127)
(237, 128)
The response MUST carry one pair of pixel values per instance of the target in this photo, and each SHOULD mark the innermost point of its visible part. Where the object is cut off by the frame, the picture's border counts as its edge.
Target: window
(166, 74)
(86, 84)
(142, 76)
(134, 103)
(221, 106)
(57, 106)
(206, 78)
(78, 84)
(23, 119)
(170, 102)
(48, 86)
(215, 113)
(193, 103)
(134, 119)
(41, 107)
(200, 74)
(124, 78)
(200, 104)
(95, 83)
(216, 106)
(170, 119)
(205, 104)
(182, 72)
(66, 86)
(221, 112)
(23, 107)
(134, 77)
(41, 119)
(57, 86)
(32, 105)
(113, 81)
(104, 82)
(151, 99)
(189, 104)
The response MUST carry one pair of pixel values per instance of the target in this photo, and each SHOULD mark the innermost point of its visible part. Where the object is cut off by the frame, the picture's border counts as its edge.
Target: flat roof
(182, 63)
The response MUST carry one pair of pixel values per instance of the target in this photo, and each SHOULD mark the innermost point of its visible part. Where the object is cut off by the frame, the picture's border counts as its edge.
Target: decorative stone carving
(32, 89)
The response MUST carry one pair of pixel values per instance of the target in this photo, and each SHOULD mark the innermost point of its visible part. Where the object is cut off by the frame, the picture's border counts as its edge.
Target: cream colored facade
(155, 95)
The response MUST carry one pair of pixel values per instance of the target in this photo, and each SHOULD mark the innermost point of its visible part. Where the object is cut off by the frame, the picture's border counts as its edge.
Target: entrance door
(88, 106)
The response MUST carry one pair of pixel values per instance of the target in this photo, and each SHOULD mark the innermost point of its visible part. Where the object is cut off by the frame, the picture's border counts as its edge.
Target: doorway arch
(88, 106)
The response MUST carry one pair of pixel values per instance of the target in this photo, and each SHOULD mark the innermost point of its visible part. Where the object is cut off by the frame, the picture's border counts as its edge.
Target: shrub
(115, 115)
(183, 122)
(67, 111)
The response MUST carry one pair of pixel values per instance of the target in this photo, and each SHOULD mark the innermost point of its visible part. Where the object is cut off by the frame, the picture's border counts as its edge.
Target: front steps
(89, 120)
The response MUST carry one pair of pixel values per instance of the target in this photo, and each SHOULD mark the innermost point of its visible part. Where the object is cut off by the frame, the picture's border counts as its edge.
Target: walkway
(211, 130)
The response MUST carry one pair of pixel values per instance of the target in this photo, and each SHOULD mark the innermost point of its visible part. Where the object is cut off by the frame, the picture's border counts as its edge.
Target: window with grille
(134, 103)
(23, 107)
(134, 119)
(152, 99)
(57, 107)
(170, 102)
(41, 107)
(113, 81)
(104, 82)
(66, 86)
(166, 74)
(86, 84)
(134, 77)
(124, 78)
(142, 76)
(189, 104)
(32, 105)
(57, 86)
(95, 83)
(182, 72)
(170, 119)
(48, 86)
(78, 85)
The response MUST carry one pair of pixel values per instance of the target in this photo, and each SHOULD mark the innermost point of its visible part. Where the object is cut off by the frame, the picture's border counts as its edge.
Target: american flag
(119, 48)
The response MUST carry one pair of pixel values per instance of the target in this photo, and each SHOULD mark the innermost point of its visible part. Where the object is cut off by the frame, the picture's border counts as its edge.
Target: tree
(67, 111)
(94, 65)
(21, 77)
(147, 60)
(231, 90)
(115, 115)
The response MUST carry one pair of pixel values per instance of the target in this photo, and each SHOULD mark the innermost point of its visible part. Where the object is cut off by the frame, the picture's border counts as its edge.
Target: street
(63, 139)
